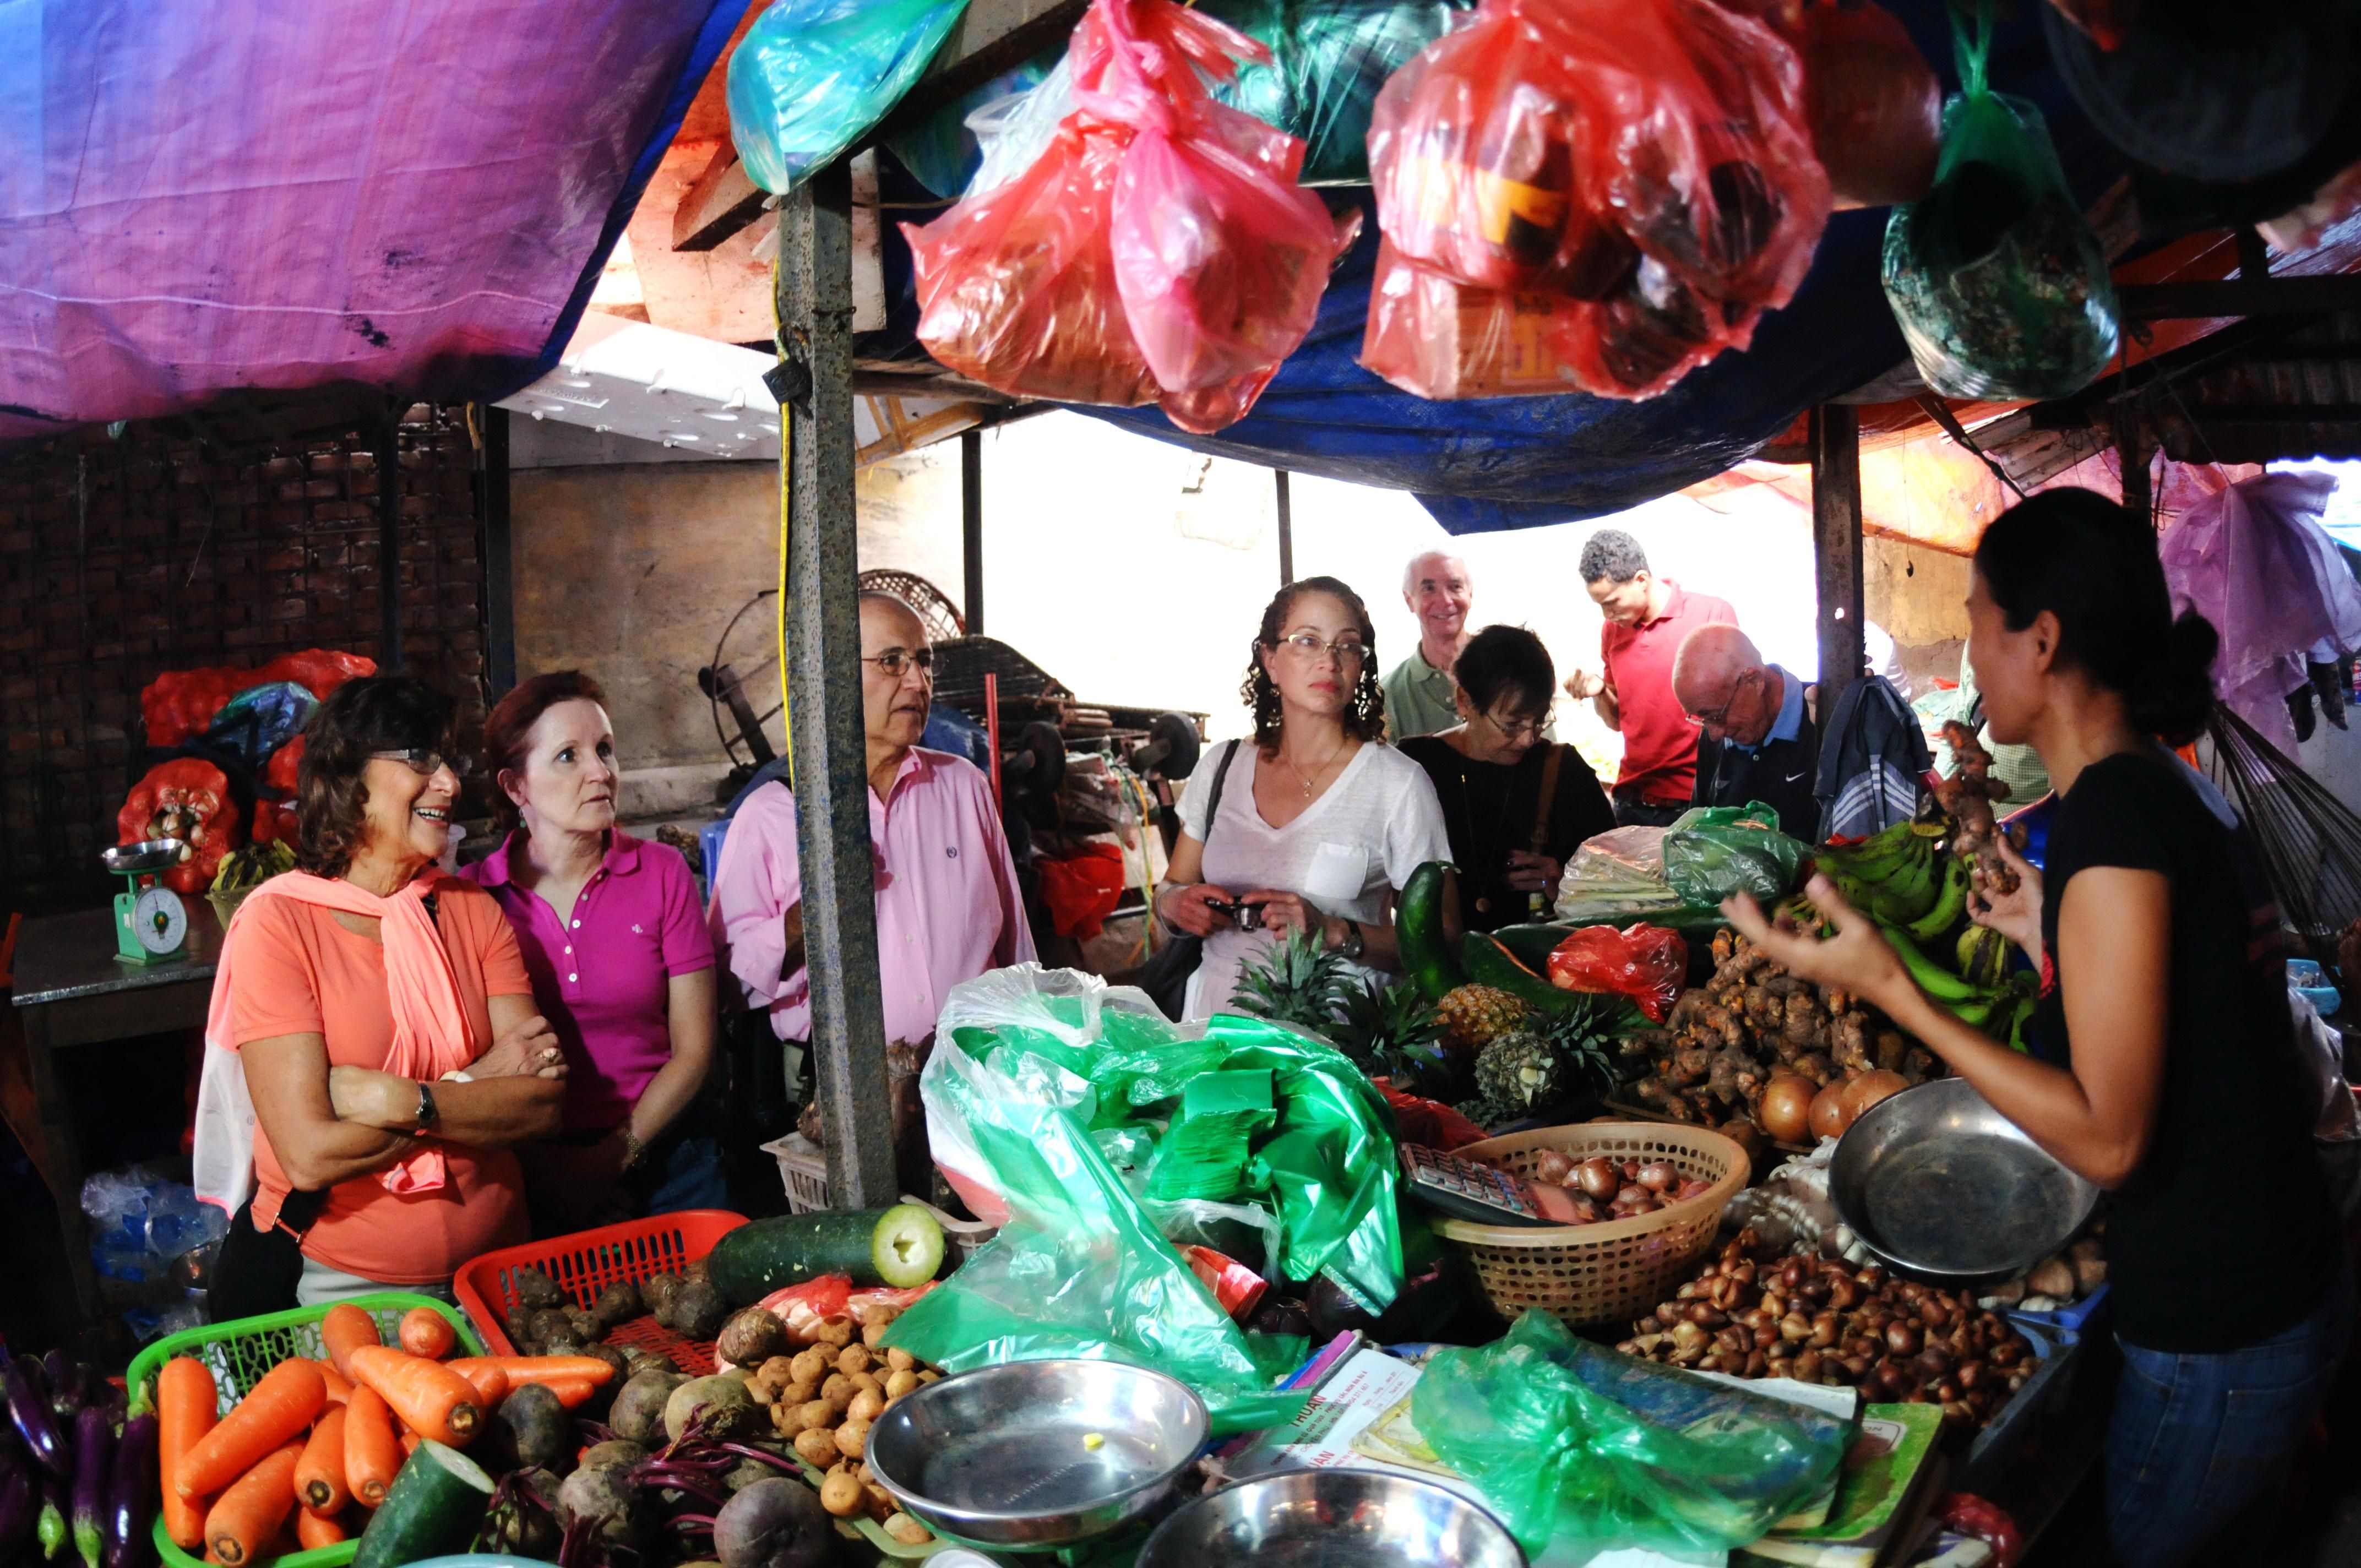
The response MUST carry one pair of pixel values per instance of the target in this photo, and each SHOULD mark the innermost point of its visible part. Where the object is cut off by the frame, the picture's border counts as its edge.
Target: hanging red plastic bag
(1433, 336)
(1646, 963)
(187, 799)
(1080, 888)
(1876, 105)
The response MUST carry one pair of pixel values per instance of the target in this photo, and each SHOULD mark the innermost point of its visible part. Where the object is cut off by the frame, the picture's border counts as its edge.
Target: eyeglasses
(895, 663)
(1308, 646)
(426, 763)
(1719, 717)
(1517, 731)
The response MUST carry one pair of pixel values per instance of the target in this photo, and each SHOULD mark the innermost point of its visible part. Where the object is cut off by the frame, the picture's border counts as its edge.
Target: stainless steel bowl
(152, 855)
(1036, 1454)
(1944, 1188)
(1331, 1519)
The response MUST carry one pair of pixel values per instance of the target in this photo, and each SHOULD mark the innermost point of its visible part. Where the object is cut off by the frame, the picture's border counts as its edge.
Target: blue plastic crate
(2078, 1318)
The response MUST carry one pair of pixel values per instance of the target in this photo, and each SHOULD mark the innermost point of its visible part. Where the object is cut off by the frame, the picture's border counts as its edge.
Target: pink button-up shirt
(603, 975)
(948, 907)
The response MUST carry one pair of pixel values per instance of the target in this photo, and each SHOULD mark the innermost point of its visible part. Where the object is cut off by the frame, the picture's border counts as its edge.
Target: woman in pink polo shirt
(614, 940)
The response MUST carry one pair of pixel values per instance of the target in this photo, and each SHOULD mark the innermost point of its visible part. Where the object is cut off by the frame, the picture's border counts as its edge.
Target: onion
(1554, 1168)
(1658, 1176)
(1787, 1109)
(1869, 1089)
(1830, 1116)
(1599, 1177)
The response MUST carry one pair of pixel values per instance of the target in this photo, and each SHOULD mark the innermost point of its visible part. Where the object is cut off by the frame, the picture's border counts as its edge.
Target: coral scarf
(430, 1031)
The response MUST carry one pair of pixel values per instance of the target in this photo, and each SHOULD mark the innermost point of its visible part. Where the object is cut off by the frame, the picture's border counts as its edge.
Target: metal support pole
(1286, 530)
(389, 540)
(971, 526)
(823, 624)
(500, 565)
(1836, 547)
(2132, 452)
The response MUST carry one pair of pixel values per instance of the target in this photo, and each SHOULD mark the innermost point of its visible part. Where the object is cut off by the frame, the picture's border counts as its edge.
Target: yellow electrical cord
(786, 491)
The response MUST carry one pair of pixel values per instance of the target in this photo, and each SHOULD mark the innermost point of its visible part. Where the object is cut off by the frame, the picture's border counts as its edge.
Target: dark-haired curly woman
(2159, 945)
(386, 1026)
(1320, 821)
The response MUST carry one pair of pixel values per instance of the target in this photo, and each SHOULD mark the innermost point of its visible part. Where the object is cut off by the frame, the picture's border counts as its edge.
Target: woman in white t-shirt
(1320, 821)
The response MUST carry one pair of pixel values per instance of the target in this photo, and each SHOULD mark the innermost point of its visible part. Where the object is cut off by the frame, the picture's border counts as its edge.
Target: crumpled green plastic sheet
(1074, 1104)
(1714, 851)
(1329, 59)
(1581, 1449)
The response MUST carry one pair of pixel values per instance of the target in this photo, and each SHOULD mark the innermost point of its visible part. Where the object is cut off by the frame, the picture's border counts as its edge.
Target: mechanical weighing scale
(151, 925)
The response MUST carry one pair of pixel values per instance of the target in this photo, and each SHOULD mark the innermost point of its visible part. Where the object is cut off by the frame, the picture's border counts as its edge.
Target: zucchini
(1418, 929)
(1531, 945)
(1490, 963)
(900, 1246)
(432, 1509)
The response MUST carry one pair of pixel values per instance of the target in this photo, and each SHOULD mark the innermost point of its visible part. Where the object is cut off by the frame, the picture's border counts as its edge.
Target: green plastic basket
(238, 1353)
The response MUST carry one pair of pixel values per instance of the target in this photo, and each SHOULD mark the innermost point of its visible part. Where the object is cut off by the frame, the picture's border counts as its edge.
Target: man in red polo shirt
(1647, 616)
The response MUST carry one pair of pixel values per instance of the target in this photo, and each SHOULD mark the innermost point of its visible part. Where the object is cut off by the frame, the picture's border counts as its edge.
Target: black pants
(1630, 811)
(256, 1271)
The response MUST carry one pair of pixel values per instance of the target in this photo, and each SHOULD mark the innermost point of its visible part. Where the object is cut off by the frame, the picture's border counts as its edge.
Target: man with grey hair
(1418, 691)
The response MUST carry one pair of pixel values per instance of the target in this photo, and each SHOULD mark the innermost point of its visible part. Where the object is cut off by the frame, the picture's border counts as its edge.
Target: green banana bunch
(1937, 981)
(1950, 903)
(1908, 894)
(1984, 955)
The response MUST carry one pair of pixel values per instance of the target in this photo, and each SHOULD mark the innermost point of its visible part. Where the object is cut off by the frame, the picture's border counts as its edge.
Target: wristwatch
(635, 1153)
(428, 1117)
(1355, 944)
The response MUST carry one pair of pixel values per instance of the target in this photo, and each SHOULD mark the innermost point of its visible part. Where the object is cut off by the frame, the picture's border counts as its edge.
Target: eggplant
(132, 1497)
(66, 1391)
(94, 1463)
(20, 1500)
(29, 1408)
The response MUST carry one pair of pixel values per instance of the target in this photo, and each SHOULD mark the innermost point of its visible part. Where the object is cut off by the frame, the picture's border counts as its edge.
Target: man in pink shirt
(948, 904)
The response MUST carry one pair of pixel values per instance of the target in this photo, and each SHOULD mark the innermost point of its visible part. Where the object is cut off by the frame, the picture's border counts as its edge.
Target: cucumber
(900, 1246)
(1417, 928)
(432, 1509)
(1531, 945)
(1490, 963)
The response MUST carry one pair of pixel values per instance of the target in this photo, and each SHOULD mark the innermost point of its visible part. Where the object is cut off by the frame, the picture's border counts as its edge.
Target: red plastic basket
(587, 1262)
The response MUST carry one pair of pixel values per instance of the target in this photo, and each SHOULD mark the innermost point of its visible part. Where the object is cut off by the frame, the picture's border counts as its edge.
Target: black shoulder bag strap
(1165, 976)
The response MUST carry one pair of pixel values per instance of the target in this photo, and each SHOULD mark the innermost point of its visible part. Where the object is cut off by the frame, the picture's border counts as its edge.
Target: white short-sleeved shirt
(1376, 823)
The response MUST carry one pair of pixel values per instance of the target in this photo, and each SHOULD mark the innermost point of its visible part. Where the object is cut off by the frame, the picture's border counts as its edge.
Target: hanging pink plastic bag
(1646, 963)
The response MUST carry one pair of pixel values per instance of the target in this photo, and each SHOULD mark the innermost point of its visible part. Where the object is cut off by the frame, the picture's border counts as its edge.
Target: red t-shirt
(1659, 741)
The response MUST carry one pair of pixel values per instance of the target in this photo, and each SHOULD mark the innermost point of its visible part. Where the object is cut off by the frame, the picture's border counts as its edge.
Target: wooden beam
(2240, 296)
(718, 203)
(1836, 548)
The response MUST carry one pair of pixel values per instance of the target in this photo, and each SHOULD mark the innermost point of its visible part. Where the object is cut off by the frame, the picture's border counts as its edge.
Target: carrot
(541, 1368)
(274, 1410)
(239, 1525)
(187, 1407)
(427, 1332)
(372, 1459)
(570, 1391)
(319, 1478)
(344, 1327)
(432, 1399)
(340, 1387)
(313, 1531)
(491, 1383)
(409, 1442)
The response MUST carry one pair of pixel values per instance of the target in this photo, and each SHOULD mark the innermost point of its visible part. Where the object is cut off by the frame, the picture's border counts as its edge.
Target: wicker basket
(1615, 1270)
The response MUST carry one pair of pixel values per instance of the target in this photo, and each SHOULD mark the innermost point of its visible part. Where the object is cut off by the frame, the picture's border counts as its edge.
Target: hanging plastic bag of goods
(1157, 249)
(2000, 287)
(1328, 61)
(811, 76)
(1593, 195)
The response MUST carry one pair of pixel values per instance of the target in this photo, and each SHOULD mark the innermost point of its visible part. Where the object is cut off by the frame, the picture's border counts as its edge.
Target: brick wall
(121, 558)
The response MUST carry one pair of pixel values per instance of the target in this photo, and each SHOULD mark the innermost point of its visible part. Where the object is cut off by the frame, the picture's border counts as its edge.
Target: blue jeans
(2200, 1446)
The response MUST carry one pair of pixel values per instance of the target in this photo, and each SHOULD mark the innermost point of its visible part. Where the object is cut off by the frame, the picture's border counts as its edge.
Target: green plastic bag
(810, 76)
(1714, 851)
(1329, 57)
(1589, 1449)
(1999, 284)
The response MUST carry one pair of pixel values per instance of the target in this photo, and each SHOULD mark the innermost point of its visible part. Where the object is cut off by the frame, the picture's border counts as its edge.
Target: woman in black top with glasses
(1515, 805)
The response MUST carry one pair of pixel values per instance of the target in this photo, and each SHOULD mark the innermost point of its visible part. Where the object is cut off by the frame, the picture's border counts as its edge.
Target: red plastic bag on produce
(179, 703)
(1431, 335)
(1429, 1121)
(1876, 106)
(280, 772)
(1645, 964)
(1648, 159)
(273, 820)
(187, 799)
(1234, 1285)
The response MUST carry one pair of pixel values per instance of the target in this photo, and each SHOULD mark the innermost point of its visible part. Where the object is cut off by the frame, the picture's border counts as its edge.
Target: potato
(871, 1333)
(698, 1311)
(869, 1380)
(841, 1494)
(900, 1360)
(834, 1332)
(852, 1358)
(902, 1382)
(620, 1303)
(750, 1337)
(656, 1293)
(550, 1324)
(839, 1389)
(876, 1312)
(867, 1406)
(816, 1445)
(929, 1374)
(536, 1289)
(881, 1501)
(907, 1531)
(851, 1438)
(816, 1413)
(813, 1365)
(585, 1327)
(801, 1391)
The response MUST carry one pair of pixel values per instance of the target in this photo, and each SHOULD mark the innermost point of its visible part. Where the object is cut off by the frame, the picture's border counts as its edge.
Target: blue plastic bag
(812, 76)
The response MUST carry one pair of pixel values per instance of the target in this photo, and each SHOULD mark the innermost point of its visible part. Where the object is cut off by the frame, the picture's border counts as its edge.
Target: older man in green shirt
(1439, 591)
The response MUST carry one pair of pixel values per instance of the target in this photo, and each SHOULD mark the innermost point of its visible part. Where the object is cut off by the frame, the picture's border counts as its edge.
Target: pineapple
(1390, 1031)
(1298, 982)
(1473, 1016)
(1547, 1061)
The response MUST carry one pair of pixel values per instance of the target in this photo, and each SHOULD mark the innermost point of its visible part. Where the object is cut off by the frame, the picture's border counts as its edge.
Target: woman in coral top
(385, 1023)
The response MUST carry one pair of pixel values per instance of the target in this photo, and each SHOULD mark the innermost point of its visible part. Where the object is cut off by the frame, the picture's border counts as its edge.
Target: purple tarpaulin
(413, 194)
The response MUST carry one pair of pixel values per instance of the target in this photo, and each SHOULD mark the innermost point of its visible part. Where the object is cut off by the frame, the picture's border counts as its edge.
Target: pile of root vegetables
(1752, 1312)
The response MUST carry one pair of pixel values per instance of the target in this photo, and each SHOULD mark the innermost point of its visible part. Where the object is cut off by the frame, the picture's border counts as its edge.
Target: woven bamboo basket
(1618, 1269)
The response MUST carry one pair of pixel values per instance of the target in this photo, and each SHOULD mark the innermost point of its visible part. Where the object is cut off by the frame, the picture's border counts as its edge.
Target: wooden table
(71, 992)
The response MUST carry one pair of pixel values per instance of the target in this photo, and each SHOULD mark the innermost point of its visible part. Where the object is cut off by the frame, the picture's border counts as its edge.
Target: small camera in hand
(1245, 917)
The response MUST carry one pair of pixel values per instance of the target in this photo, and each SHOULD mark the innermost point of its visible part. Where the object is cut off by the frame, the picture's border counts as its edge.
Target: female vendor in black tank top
(2159, 945)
